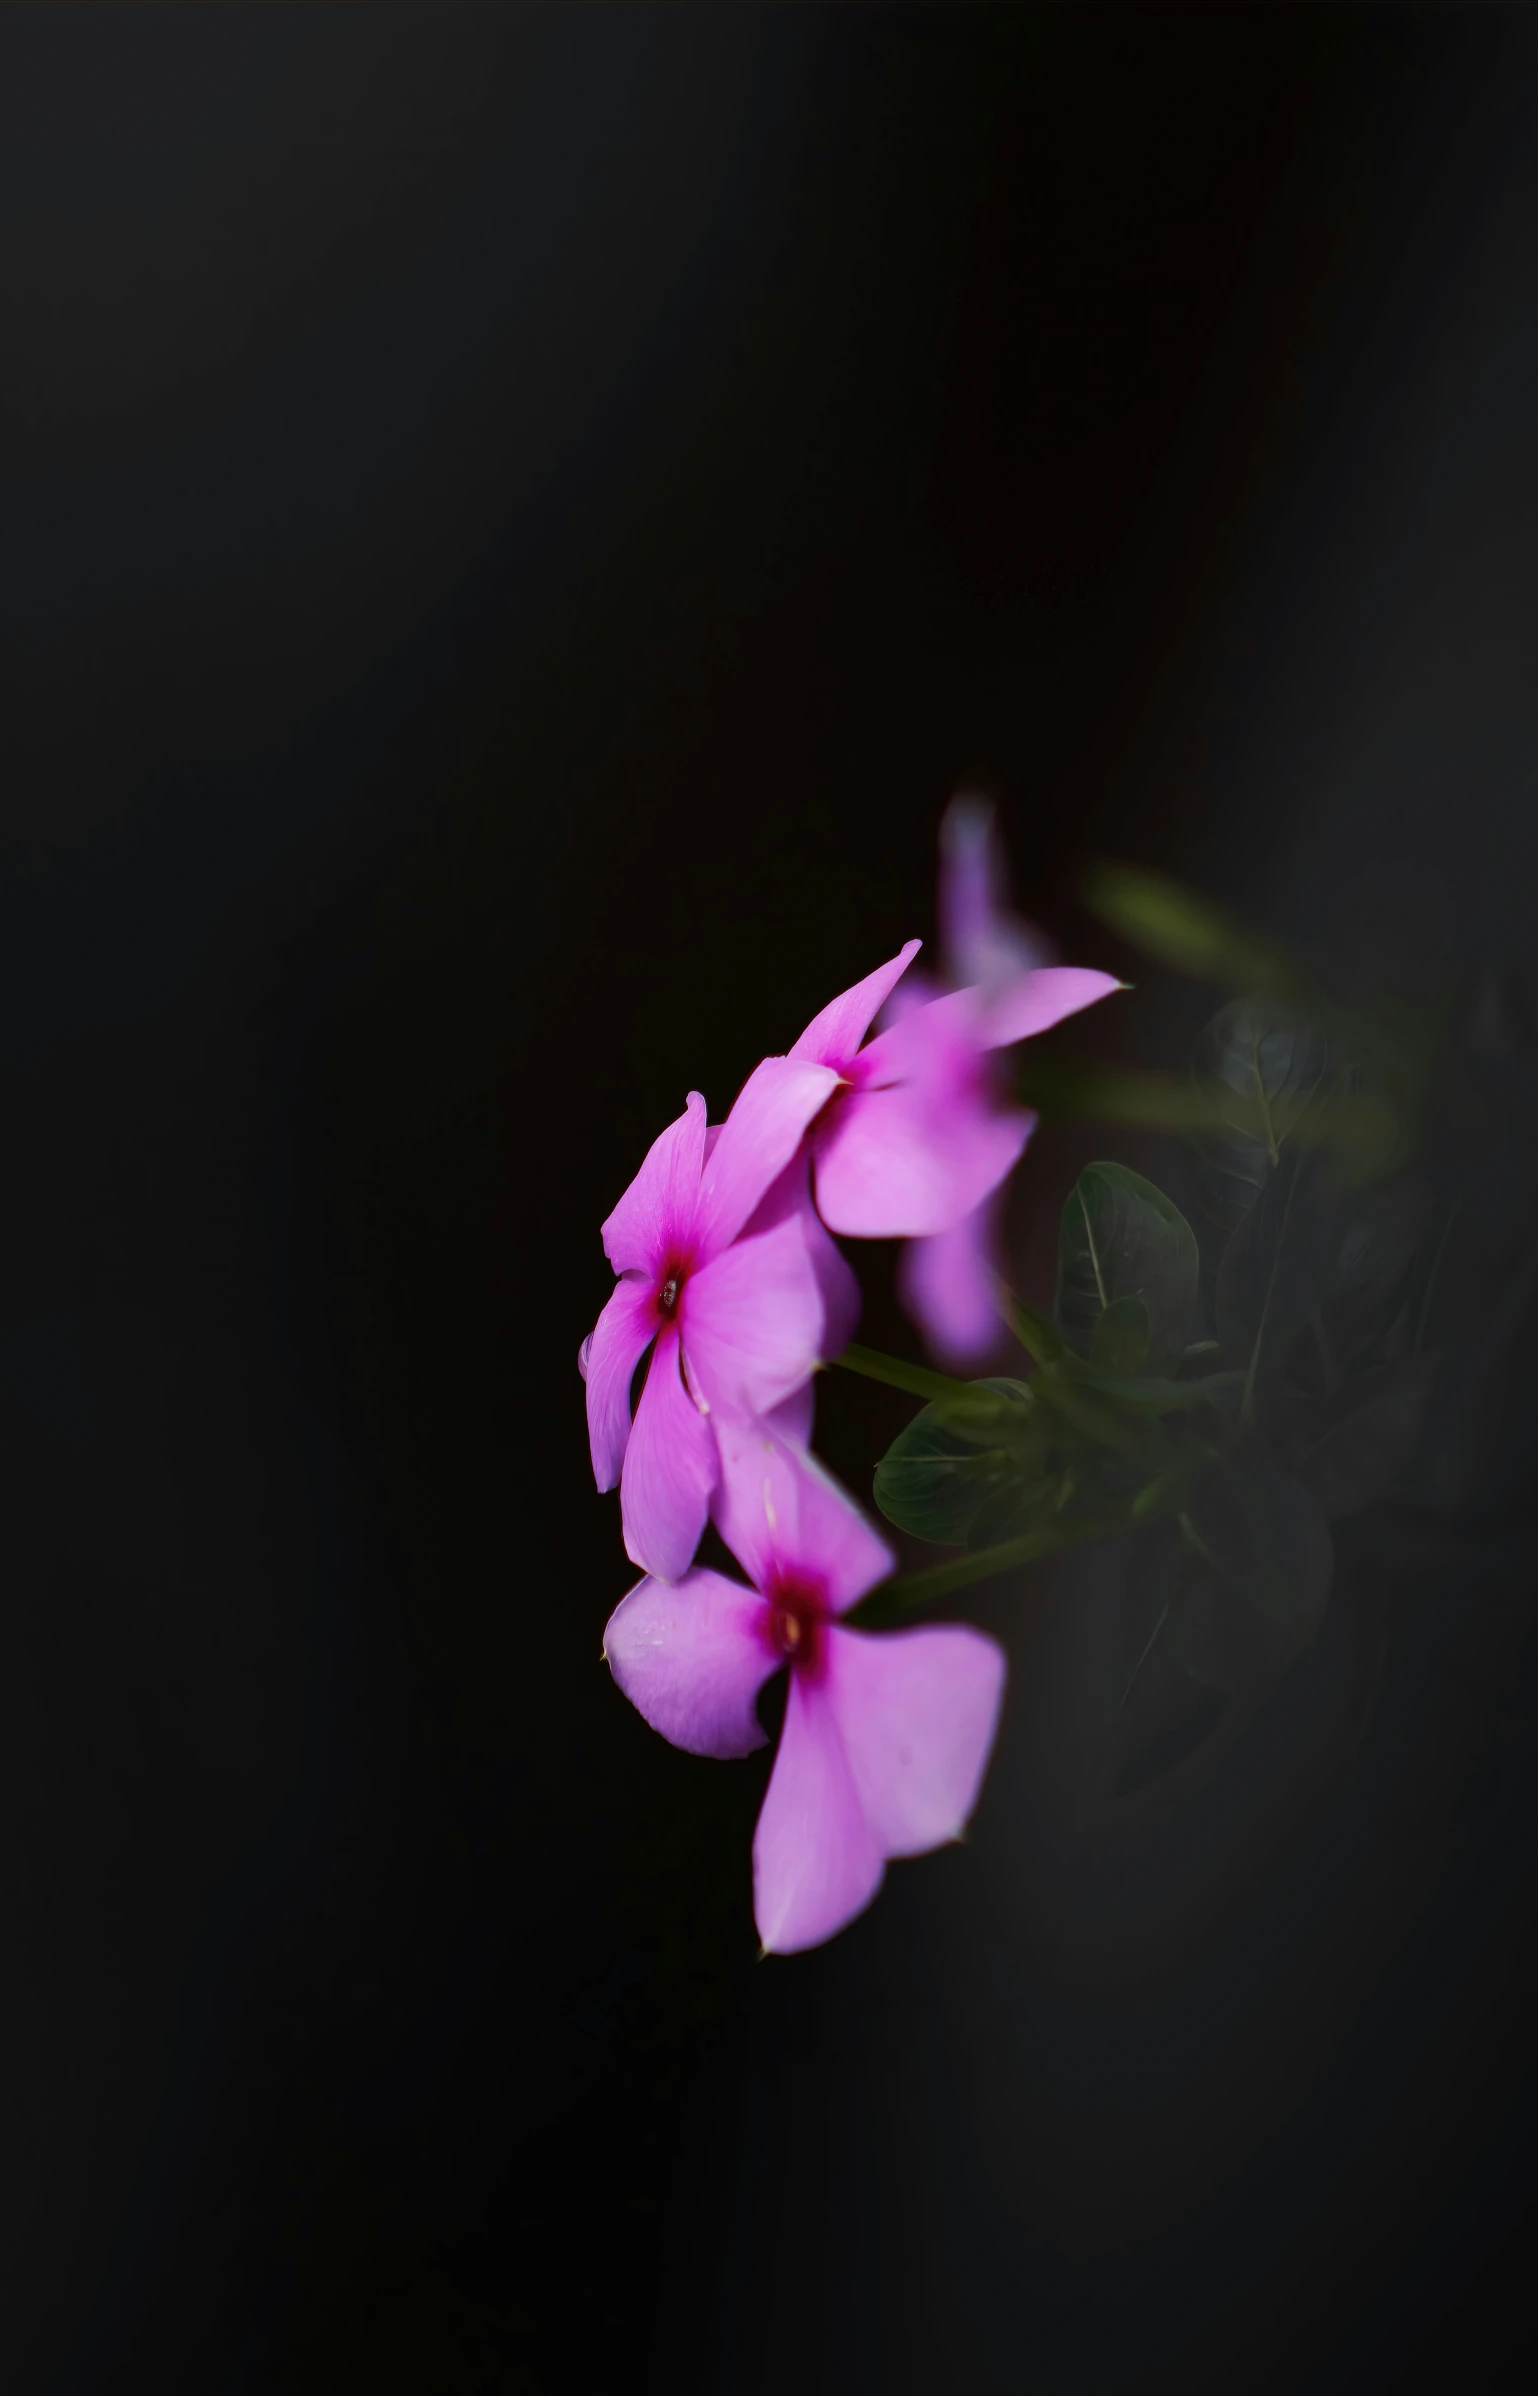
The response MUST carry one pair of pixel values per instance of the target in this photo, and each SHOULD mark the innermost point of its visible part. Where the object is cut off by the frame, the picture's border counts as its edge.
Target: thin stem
(1247, 1401)
(984, 1564)
(1035, 1334)
(1089, 1241)
(1147, 1652)
(1195, 1540)
(914, 1378)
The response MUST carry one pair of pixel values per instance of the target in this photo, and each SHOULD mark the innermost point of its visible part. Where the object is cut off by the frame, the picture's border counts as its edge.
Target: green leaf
(1265, 1536)
(1161, 1709)
(1120, 1340)
(1017, 1505)
(1121, 1238)
(1357, 1447)
(1191, 934)
(942, 1466)
(1378, 1236)
(1262, 1071)
(1204, 1632)
(1320, 1272)
(1269, 1277)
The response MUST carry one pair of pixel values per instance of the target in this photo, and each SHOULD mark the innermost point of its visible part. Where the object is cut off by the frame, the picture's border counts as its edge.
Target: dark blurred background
(512, 525)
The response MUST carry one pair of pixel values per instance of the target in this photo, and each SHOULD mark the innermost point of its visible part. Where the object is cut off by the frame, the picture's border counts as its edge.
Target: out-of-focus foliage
(1221, 1389)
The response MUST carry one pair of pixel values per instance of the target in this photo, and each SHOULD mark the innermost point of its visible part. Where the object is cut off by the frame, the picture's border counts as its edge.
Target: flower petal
(670, 1469)
(792, 1195)
(610, 1354)
(793, 1417)
(838, 1284)
(752, 1321)
(656, 1214)
(907, 1162)
(916, 1712)
(982, 941)
(947, 1284)
(758, 1140)
(1038, 1000)
(817, 1862)
(784, 1516)
(692, 1658)
(833, 1037)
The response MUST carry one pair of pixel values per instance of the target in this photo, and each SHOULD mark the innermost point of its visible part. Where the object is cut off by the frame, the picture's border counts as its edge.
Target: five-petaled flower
(1007, 991)
(727, 1280)
(886, 1734)
(918, 1131)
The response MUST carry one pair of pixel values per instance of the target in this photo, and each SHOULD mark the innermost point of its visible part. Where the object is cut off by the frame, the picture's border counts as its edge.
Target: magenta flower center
(670, 1287)
(796, 1625)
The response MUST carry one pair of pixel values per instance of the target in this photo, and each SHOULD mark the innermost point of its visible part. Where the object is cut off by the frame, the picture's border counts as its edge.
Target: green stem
(914, 1378)
(1036, 1336)
(912, 1589)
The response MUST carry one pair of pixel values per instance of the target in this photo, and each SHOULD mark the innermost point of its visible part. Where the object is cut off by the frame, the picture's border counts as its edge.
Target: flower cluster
(729, 1276)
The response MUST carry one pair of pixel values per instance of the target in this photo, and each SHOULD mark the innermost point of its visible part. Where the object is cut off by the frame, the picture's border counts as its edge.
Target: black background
(513, 523)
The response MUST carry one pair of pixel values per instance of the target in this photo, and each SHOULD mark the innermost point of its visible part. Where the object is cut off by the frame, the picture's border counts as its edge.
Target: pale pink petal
(670, 1470)
(784, 1517)
(792, 1195)
(915, 990)
(752, 1321)
(916, 1711)
(947, 1284)
(905, 1163)
(840, 1288)
(610, 1355)
(833, 1037)
(940, 1041)
(758, 1140)
(656, 1214)
(1038, 1000)
(793, 1417)
(692, 1658)
(816, 1860)
(982, 942)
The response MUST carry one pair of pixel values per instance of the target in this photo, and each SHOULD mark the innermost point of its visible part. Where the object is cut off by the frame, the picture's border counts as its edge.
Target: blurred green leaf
(1188, 933)
(1380, 1236)
(1119, 1342)
(1121, 1238)
(1162, 1710)
(1356, 1446)
(1262, 1072)
(1273, 1274)
(1265, 1536)
(1321, 1271)
(1016, 1505)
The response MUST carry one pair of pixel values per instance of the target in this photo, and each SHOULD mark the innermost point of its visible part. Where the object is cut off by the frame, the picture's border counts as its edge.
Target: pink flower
(918, 1133)
(738, 1309)
(948, 1284)
(886, 1734)
(947, 1279)
(980, 941)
